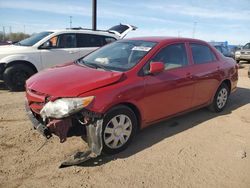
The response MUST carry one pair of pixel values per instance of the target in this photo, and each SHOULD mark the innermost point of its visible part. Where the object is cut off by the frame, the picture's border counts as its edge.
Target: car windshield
(33, 39)
(118, 56)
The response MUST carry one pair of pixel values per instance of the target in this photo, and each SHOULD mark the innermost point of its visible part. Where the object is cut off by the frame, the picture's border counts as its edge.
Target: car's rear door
(205, 71)
(171, 91)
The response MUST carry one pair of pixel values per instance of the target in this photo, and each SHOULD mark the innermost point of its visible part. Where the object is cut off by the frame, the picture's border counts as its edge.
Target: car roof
(87, 31)
(166, 39)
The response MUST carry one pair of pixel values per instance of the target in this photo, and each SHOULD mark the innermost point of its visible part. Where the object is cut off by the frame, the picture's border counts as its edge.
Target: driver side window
(63, 41)
(173, 56)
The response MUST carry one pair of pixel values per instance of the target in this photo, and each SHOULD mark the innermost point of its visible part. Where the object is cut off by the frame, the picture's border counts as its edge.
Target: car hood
(70, 80)
(12, 49)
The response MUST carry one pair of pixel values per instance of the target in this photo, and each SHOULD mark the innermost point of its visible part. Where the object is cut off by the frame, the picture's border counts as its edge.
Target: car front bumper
(41, 128)
(242, 57)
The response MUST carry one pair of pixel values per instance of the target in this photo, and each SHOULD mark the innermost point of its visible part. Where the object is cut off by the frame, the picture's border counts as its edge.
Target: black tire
(215, 106)
(15, 76)
(115, 113)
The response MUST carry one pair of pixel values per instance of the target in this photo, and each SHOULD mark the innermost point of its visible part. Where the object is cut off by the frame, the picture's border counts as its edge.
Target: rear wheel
(119, 128)
(15, 76)
(220, 99)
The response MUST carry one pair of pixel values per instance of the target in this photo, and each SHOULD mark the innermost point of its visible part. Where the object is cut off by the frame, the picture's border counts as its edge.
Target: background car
(243, 54)
(129, 85)
(46, 49)
(224, 50)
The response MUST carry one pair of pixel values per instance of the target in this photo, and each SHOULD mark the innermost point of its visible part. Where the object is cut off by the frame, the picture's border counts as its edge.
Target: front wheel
(119, 128)
(220, 99)
(15, 76)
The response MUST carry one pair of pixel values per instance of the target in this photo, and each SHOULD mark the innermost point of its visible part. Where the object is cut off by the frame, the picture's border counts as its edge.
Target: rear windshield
(119, 28)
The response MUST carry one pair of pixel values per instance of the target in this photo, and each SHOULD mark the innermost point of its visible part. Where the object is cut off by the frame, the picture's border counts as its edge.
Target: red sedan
(129, 85)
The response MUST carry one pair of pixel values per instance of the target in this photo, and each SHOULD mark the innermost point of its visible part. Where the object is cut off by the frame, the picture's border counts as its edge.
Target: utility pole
(70, 22)
(194, 28)
(94, 6)
(10, 29)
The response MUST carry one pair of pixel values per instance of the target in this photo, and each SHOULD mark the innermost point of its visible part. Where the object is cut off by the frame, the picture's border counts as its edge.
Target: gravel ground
(199, 149)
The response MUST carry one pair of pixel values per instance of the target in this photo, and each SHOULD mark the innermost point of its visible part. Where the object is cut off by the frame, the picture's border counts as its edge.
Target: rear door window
(202, 54)
(89, 40)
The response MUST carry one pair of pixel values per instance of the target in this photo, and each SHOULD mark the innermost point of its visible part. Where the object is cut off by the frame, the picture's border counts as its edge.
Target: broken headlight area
(74, 125)
(64, 107)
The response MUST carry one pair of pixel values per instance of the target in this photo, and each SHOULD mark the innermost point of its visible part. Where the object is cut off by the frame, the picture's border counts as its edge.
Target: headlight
(237, 53)
(64, 107)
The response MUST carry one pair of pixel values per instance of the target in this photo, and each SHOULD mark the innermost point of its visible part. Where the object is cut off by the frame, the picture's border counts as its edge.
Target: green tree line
(14, 37)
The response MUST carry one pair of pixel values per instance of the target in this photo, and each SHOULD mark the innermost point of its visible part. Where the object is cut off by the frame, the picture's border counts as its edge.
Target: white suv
(46, 49)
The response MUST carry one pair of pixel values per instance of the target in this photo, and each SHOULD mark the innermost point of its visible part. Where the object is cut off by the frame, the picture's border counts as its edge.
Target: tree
(14, 37)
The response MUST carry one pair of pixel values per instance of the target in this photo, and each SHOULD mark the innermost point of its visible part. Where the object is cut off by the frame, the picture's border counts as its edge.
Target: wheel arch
(228, 83)
(134, 108)
(16, 62)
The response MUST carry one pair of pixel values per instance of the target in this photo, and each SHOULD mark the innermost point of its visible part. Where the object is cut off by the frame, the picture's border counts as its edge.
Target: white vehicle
(46, 49)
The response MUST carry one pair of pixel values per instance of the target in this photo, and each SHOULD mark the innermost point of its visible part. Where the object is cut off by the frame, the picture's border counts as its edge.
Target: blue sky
(210, 19)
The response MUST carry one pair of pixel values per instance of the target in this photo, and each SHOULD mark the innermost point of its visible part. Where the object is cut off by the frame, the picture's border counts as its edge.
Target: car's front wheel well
(228, 83)
(27, 63)
(134, 109)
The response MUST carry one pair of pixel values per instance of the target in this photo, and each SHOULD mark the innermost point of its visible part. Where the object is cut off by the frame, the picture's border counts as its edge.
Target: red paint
(155, 96)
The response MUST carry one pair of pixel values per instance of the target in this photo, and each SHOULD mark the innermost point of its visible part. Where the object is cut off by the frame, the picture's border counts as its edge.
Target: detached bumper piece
(94, 139)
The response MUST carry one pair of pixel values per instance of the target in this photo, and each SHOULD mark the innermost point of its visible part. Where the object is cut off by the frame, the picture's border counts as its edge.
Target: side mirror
(156, 67)
(46, 45)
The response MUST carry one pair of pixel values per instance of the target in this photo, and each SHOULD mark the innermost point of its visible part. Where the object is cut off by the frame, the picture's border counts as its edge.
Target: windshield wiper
(100, 66)
(94, 65)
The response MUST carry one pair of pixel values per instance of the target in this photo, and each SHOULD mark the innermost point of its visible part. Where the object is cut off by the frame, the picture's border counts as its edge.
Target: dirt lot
(199, 149)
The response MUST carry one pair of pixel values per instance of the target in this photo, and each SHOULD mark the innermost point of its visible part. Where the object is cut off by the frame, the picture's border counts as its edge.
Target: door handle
(73, 52)
(189, 75)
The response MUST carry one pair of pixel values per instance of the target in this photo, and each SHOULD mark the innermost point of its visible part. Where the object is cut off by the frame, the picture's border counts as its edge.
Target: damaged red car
(128, 85)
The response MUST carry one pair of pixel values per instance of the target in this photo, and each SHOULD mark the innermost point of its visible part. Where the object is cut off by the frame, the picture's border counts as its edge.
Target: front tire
(220, 99)
(15, 76)
(119, 128)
